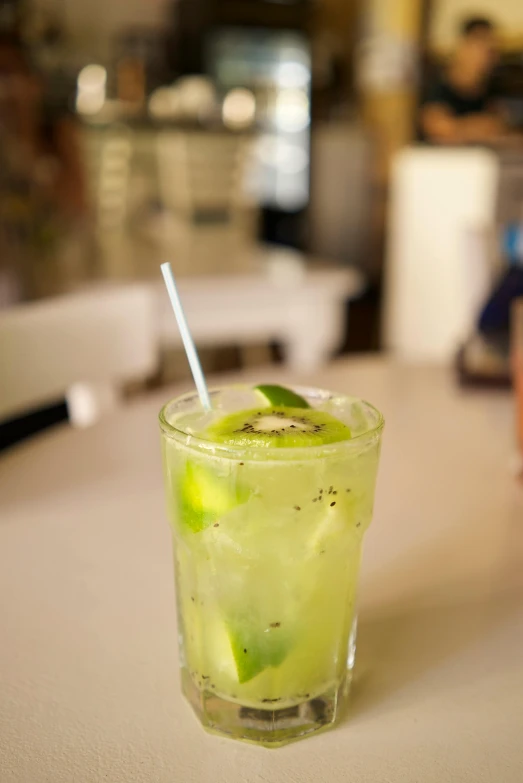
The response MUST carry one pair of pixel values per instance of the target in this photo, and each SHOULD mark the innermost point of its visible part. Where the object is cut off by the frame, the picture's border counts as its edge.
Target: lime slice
(255, 650)
(281, 397)
(206, 496)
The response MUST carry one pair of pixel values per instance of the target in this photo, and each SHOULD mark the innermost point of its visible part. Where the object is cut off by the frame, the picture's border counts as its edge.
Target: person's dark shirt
(460, 103)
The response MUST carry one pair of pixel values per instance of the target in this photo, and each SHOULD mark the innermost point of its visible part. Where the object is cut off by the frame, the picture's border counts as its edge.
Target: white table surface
(254, 305)
(88, 671)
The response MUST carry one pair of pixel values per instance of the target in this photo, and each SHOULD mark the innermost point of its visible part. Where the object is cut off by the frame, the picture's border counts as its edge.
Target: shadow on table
(403, 642)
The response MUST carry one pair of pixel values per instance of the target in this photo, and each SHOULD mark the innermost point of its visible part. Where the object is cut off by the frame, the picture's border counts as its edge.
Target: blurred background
(357, 161)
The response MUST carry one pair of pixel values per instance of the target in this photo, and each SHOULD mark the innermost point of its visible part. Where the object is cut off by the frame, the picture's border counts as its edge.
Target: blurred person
(41, 176)
(462, 104)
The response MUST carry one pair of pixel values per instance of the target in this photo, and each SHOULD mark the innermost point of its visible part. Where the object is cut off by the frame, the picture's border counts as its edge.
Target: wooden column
(389, 109)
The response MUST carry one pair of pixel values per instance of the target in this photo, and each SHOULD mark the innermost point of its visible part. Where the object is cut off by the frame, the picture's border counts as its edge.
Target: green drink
(269, 497)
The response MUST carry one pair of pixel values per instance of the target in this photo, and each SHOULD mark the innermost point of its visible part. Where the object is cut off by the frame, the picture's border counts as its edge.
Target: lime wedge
(282, 397)
(205, 496)
(255, 650)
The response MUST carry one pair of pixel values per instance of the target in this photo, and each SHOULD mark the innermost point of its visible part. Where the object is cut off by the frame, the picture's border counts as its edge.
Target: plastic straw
(188, 342)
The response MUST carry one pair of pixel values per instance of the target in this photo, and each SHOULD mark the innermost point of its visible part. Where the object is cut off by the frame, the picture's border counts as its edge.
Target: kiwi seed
(333, 503)
(297, 508)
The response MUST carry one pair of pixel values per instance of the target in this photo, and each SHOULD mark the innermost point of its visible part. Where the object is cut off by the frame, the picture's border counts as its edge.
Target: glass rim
(275, 454)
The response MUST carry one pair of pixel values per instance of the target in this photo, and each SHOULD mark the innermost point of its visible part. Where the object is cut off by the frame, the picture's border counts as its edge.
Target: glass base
(271, 728)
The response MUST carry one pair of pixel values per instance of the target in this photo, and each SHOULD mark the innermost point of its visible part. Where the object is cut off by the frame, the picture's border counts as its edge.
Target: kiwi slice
(205, 496)
(278, 426)
(280, 396)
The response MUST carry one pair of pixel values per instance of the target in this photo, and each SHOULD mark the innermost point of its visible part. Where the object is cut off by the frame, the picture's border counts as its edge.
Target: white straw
(188, 342)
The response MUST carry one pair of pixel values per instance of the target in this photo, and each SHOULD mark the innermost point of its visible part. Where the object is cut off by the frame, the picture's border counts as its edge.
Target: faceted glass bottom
(271, 728)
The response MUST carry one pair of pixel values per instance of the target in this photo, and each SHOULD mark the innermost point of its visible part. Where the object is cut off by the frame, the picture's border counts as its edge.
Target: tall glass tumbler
(267, 548)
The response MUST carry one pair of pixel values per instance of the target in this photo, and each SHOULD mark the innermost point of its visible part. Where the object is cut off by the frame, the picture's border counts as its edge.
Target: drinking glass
(267, 547)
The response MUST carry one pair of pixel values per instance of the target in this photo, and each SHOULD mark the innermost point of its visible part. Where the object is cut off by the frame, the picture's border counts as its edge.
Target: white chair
(210, 219)
(83, 347)
(441, 202)
(300, 303)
